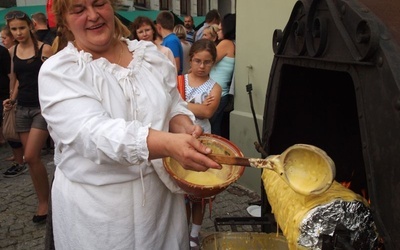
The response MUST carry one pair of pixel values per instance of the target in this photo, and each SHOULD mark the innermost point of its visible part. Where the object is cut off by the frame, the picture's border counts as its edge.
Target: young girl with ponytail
(27, 57)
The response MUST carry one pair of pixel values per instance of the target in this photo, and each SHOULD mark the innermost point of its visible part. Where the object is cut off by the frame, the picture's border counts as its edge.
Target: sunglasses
(16, 14)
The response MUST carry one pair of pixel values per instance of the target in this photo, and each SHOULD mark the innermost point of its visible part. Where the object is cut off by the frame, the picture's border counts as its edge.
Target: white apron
(113, 225)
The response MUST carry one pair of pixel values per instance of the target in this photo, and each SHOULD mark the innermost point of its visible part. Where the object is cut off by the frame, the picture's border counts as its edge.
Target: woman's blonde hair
(61, 7)
(180, 31)
(213, 29)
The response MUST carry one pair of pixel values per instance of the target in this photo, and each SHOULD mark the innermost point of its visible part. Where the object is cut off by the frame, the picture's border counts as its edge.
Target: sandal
(194, 240)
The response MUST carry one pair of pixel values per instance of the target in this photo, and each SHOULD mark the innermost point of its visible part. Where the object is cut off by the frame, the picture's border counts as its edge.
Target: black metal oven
(335, 84)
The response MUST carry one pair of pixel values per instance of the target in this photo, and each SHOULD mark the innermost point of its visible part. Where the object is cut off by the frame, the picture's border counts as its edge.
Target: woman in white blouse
(114, 111)
(143, 28)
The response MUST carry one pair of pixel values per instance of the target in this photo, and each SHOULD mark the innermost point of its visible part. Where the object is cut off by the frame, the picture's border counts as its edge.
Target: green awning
(132, 15)
(129, 16)
(126, 16)
(29, 10)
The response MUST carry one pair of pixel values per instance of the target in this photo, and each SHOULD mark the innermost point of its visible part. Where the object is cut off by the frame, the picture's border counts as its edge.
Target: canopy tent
(128, 16)
(125, 16)
(29, 10)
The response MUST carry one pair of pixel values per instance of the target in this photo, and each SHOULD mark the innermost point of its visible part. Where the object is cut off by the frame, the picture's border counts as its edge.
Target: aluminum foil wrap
(323, 220)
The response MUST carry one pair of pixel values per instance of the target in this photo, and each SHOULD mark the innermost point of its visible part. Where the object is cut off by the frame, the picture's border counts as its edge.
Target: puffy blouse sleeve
(78, 115)
(160, 62)
(103, 111)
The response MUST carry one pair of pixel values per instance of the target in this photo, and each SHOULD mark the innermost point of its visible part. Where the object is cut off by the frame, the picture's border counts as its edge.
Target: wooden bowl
(212, 181)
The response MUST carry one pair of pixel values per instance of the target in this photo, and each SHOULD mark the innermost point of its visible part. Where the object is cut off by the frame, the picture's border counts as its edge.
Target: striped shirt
(189, 36)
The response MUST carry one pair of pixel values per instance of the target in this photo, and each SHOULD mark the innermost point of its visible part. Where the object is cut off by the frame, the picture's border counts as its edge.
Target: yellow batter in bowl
(212, 181)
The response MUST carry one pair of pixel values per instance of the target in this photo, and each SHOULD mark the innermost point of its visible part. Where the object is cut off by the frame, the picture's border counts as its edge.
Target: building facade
(179, 7)
(256, 22)
(255, 25)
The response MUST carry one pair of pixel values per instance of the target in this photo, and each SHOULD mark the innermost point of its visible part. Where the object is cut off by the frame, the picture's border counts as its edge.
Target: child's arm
(203, 111)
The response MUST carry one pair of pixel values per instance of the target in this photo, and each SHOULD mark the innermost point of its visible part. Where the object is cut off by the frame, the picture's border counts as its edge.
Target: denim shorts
(29, 117)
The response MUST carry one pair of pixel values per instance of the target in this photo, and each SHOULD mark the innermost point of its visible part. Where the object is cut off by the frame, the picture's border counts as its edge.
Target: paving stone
(8, 247)
(18, 203)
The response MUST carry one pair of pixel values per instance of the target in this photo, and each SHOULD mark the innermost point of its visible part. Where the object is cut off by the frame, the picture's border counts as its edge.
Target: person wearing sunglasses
(114, 111)
(27, 57)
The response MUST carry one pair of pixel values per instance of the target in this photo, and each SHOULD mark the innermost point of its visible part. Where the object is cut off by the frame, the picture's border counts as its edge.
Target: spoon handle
(229, 160)
(241, 161)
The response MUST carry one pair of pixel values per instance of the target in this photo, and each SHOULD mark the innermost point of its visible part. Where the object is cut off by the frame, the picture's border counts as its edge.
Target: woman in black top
(27, 57)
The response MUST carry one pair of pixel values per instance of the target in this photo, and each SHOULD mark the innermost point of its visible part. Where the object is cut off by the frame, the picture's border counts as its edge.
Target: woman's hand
(7, 104)
(183, 124)
(192, 155)
(183, 147)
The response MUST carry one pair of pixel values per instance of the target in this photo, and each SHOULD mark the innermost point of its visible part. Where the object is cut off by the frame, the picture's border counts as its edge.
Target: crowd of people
(106, 95)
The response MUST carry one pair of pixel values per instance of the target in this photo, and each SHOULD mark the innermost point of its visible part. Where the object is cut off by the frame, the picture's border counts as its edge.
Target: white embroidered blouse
(99, 113)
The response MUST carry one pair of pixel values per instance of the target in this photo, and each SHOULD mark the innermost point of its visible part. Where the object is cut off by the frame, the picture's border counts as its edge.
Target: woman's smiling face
(92, 23)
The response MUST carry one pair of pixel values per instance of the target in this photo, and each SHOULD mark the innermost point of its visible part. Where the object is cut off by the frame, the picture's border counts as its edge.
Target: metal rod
(249, 88)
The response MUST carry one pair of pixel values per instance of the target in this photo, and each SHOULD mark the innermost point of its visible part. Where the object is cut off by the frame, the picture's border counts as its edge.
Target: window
(164, 5)
(201, 7)
(141, 3)
(185, 7)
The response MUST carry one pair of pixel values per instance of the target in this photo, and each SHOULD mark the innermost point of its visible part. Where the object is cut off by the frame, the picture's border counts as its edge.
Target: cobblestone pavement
(18, 205)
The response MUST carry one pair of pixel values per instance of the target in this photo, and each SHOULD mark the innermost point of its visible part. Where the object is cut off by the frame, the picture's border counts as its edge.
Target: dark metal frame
(344, 37)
